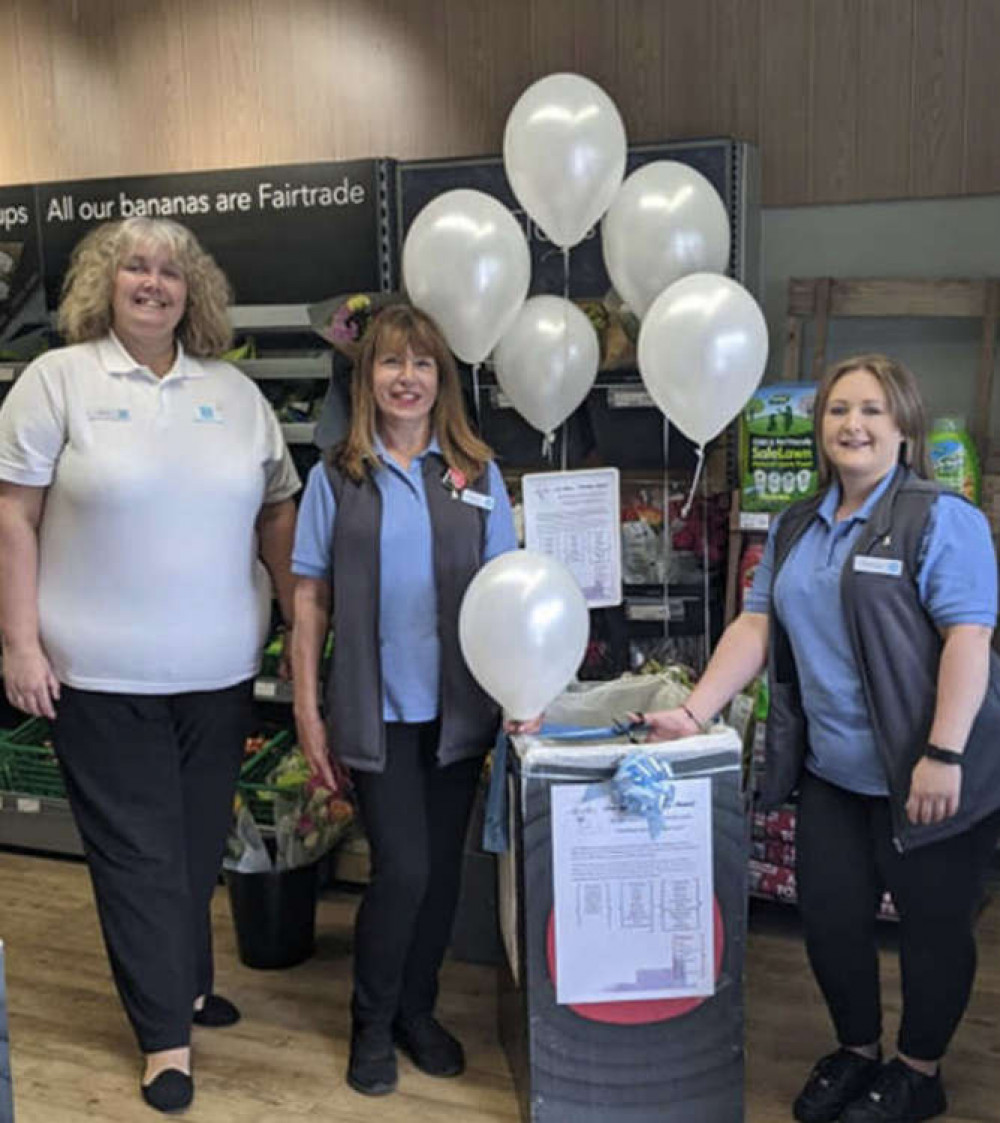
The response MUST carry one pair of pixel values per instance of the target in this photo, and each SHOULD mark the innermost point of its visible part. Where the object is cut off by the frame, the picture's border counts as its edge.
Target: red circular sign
(647, 1010)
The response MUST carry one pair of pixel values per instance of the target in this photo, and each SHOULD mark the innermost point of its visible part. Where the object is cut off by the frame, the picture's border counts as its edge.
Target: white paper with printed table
(634, 915)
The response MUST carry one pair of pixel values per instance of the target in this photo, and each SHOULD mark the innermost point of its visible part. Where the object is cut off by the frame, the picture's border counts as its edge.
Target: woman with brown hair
(393, 526)
(873, 608)
(142, 484)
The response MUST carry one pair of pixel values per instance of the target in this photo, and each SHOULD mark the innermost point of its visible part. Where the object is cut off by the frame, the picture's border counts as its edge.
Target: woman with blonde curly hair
(145, 491)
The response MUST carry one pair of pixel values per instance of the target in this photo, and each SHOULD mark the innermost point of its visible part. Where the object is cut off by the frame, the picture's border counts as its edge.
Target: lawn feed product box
(777, 447)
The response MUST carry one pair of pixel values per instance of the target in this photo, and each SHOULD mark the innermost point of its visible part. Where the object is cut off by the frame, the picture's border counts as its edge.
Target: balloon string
(548, 444)
(668, 542)
(475, 393)
(694, 483)
(707, 618)
(565, 257)
(564, 446)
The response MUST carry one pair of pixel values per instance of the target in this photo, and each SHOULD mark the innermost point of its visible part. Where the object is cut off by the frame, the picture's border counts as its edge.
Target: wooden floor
(73, 1057)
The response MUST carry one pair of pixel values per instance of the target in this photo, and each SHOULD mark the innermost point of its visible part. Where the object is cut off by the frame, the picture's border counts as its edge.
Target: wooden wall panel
(885, 94)
(785, 103)
(982, 151)
(833, 153)
(689, 79)
(596, 48)
(847, 99)
(736, 82)
(226, 106)
(415, 73)
(938, 126)
(158, 140)
(639, 55)
(42, 153)
(553, 37)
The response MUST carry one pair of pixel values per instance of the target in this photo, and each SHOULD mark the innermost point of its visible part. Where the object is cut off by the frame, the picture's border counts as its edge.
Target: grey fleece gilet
(469, 718)
(897, 649)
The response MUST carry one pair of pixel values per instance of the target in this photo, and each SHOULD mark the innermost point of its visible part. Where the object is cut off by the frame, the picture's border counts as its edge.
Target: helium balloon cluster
(702, 342)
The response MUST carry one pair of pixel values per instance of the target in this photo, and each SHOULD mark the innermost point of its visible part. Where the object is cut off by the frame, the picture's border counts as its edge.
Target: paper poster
(574, 517)
(633, 914)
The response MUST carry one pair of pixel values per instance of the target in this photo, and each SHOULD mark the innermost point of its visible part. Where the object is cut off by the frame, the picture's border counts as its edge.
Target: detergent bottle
(953, 457)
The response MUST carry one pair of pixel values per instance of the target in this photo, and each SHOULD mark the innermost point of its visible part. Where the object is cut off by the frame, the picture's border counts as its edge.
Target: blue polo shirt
(957, 584)
(410, 651)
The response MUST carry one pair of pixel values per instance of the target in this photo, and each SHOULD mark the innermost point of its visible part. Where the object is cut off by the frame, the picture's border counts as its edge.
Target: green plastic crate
(253, 787)
(27, 765)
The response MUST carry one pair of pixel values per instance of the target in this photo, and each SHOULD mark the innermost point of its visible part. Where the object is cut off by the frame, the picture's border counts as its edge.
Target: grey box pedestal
(569, 1069)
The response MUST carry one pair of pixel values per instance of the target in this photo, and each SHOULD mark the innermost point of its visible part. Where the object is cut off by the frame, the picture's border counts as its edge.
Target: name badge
(109, 413)
(477, 499)
(208, 414)
(887, 567)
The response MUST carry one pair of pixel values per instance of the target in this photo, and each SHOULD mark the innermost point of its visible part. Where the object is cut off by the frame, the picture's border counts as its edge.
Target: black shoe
(371, 1069)
(899, 1094)
(430, 1046)
(216, 1012)
(171, 1092)
(836, 1080)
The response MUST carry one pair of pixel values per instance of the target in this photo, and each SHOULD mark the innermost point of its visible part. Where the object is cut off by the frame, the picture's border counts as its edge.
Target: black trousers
(845, 860)
(415, 815)
(150, 780)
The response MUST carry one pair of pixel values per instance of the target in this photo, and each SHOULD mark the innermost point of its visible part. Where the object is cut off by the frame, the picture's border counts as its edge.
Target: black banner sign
(20, 275)
(417, 183)
(288, 234)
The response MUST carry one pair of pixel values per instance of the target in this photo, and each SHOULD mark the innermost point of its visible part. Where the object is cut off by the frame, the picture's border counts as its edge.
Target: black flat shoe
(836, 1081)
(371, 1069)
(217, 1012)
(171, 1092)
(430, 1046)
(899, 1094)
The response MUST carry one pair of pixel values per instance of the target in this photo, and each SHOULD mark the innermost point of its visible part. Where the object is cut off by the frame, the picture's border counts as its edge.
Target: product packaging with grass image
(777, 447)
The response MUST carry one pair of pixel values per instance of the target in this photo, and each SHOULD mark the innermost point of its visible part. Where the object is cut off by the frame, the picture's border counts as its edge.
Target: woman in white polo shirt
(142, 484)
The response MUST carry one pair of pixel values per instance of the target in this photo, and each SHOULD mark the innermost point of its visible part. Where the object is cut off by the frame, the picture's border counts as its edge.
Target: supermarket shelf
(308, 367)
(299, 432)
(754, 520)
(276, 317)
(272, 690)
(38, 823)
(653, 611)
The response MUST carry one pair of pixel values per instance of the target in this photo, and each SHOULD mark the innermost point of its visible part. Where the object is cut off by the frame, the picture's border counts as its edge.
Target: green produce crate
(253, 787)
(27, 765)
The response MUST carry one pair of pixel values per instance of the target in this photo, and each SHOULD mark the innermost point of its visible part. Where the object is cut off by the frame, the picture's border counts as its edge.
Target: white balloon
(523, 629)
(564, 154)
(466, 263)
(702, 351)
(666, 222)
(547, 360)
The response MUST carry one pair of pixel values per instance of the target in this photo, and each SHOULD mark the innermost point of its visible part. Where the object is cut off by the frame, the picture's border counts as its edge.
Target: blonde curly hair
(85, 310)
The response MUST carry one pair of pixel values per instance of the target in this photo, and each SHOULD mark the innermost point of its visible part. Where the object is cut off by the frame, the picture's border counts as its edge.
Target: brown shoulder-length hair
(906, 408)
(394, 329)
(85, 310)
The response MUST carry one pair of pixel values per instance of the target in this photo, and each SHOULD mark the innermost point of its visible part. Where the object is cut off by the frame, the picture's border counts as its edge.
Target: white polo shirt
(149, 580)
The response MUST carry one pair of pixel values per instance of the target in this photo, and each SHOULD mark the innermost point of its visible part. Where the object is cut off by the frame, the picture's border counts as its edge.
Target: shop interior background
(876, 122)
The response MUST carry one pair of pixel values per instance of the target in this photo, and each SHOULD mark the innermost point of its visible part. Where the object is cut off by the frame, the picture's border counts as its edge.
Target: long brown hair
(85, 309)
(906, 407)
(394, 329)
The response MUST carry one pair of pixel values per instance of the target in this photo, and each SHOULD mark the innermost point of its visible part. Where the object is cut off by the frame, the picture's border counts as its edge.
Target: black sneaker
(371, 1069)
(836, 1080)
(430, 1046)
(899, 1094)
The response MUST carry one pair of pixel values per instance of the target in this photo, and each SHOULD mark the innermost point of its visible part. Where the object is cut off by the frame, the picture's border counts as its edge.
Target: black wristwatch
(943, 756)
